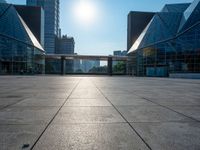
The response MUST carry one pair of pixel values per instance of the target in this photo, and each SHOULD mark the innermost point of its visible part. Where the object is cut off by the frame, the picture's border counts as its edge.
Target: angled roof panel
(164, 25)
(156, 32)
(165, 9)
(175, 7)
(171, 21)
(140, 38)
(31, 36)
(12, 25)
(3, 8)
(190, 16)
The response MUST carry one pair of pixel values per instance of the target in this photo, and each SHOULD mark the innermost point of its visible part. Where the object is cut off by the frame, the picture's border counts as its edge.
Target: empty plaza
(99, 112)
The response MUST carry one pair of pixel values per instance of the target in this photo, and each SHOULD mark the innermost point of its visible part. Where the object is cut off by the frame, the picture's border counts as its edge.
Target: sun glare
(85, 12)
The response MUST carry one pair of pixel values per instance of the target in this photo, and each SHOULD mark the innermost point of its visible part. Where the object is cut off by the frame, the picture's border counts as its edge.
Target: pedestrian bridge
(85, 64)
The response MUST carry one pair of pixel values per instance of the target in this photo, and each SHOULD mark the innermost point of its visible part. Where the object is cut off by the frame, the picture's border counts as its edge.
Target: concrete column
(0, 68)
(126, 68)
(62, 65)
(110, 66)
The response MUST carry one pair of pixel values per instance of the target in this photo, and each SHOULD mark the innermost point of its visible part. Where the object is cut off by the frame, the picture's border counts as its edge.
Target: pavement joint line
(165, 122)
(168, 108)
(89, 123)
(10, 105)
(179, 80)
(55, 115)
(87, 106)
(24, 124)
(101, 123)
(124, 118)
(36, 106)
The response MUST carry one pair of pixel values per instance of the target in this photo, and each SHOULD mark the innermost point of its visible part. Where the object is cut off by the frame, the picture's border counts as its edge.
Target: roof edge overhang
(30, 34)
(179, 34)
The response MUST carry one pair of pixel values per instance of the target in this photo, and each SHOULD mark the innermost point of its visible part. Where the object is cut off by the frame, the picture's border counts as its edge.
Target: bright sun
(85, 12)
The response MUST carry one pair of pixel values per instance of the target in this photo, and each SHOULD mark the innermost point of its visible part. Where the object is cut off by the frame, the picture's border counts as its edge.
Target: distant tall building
(137, 21)
(65, 45)
(51, 10)
(86, 65)
(34, 18)
(77, 65)
(120, 53)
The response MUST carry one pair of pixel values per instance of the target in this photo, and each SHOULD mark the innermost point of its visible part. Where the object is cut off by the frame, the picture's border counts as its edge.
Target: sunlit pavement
(103, 113)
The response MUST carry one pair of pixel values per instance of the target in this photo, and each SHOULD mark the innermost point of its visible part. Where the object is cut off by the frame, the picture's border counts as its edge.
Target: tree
(120, 67)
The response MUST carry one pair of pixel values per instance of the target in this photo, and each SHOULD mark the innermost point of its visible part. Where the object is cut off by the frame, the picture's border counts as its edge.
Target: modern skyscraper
(51, 10)
(137, 21)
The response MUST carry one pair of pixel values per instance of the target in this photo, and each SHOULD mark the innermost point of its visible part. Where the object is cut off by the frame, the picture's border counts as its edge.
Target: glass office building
(20, 52)
(169, 44)
(52, 12)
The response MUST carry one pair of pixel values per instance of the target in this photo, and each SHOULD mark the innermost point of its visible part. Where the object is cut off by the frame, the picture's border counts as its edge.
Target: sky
(106, 29)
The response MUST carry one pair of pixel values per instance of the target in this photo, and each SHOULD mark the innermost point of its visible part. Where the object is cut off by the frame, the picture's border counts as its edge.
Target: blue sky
(108, 32)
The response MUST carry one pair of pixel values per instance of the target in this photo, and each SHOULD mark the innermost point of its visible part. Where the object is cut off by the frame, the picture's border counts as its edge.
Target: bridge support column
(62, 65)
(110, 71)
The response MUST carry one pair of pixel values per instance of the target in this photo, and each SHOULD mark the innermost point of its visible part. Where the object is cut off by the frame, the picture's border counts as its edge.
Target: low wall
(185, 75)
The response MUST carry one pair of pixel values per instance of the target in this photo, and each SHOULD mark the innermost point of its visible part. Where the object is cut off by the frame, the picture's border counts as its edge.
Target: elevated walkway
(64, 57)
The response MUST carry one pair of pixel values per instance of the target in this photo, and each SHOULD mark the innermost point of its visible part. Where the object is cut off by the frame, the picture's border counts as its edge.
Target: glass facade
(20, 52)
(51, 11)
(163, 50)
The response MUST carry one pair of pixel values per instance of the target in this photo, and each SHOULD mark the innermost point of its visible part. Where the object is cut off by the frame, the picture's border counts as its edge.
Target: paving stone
(90, 137)
(14, 137)
(87, 115)
(89, 121)
(52, 95)
(150, 114)
(41, 102)
(127, 100)
(86, 93)
(170, 136)
(87, 102)
(192, 111)
(176, 100)
(8, 101)
(27, 115)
